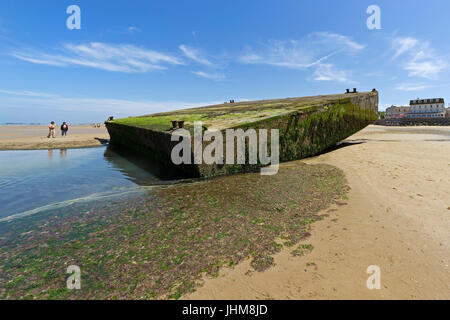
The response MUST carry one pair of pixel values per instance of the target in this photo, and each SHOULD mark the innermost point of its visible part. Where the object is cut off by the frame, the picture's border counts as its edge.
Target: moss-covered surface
(159, 123)
(229, 115)
(160, 245)
(307, 126)
(309, 132)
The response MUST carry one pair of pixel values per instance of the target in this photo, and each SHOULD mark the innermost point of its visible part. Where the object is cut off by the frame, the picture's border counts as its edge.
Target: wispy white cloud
(39, 59)
(133, 29)
(27, 93)
(338, 41)
(328, 72)
(420, 59)
(377, 73)
(302, 54)
(313, 51)
(212, 76)
(425, 64)
(110, 57)
(195, 54)
(402, 45)
(119, 107)
(288, 54)
(413, 86)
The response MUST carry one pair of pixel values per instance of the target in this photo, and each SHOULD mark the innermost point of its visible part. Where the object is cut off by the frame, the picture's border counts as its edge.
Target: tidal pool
(32, 181)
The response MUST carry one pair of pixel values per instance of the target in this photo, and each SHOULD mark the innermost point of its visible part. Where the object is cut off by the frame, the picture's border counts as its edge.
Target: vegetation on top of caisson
(306, 126)
(228, 115)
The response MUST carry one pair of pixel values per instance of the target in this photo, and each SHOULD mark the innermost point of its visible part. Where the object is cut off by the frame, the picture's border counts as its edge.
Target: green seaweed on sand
(162, 245)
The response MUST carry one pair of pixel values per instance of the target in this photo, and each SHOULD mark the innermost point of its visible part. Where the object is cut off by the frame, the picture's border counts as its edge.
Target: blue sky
(139, 57)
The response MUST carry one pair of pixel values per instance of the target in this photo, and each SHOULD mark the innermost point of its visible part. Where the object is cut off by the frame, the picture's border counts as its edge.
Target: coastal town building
(394, 112)
(419, 108)
(427, 108)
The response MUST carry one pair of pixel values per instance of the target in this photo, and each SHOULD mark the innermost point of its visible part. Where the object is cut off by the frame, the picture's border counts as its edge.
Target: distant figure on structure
(64, 129)
(51, 130)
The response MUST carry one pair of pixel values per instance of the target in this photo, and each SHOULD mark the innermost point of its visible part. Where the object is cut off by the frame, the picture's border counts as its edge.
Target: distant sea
(20, 124)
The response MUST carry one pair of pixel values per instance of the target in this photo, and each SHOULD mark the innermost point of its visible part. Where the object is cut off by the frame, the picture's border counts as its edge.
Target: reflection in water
(36, 180)
(62, 153)
(133, 165)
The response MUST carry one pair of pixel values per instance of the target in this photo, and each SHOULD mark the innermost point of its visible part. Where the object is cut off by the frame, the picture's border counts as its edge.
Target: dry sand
(397, 217)
(35, 137)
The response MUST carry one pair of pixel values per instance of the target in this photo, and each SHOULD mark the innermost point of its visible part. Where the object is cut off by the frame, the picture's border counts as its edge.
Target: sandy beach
(35, 137)
(397, 217)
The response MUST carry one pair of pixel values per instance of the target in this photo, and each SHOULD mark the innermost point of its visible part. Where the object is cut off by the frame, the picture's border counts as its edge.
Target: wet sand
(397, 217)
(35, 137)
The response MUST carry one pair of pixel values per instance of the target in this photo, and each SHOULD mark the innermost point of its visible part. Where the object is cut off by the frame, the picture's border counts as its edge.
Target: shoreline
(396, 217)
(34, 137)
(69, 145)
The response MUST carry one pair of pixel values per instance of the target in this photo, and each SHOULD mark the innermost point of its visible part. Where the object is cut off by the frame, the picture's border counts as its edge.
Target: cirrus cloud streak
(110, 57)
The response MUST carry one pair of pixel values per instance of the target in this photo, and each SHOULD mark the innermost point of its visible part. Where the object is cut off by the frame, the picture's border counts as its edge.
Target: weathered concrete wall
(155, 145)
(302, 133)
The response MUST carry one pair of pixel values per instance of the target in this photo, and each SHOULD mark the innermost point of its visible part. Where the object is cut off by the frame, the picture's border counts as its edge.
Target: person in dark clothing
(64, 129)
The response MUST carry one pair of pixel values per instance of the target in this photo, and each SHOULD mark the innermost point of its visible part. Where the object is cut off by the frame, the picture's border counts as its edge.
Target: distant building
(394, 112)
(427, 108)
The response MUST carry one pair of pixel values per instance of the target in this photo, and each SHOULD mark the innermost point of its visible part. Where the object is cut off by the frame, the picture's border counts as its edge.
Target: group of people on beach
(52, 127)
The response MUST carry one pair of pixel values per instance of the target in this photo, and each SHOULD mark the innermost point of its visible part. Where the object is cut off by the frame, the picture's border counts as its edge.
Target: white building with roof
(427, 108)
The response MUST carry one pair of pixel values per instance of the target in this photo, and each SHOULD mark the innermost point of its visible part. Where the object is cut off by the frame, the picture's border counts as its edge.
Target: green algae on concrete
(307, 126)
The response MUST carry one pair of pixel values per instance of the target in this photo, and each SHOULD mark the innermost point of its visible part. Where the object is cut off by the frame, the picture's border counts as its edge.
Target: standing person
(64, 129)
(51, 130)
